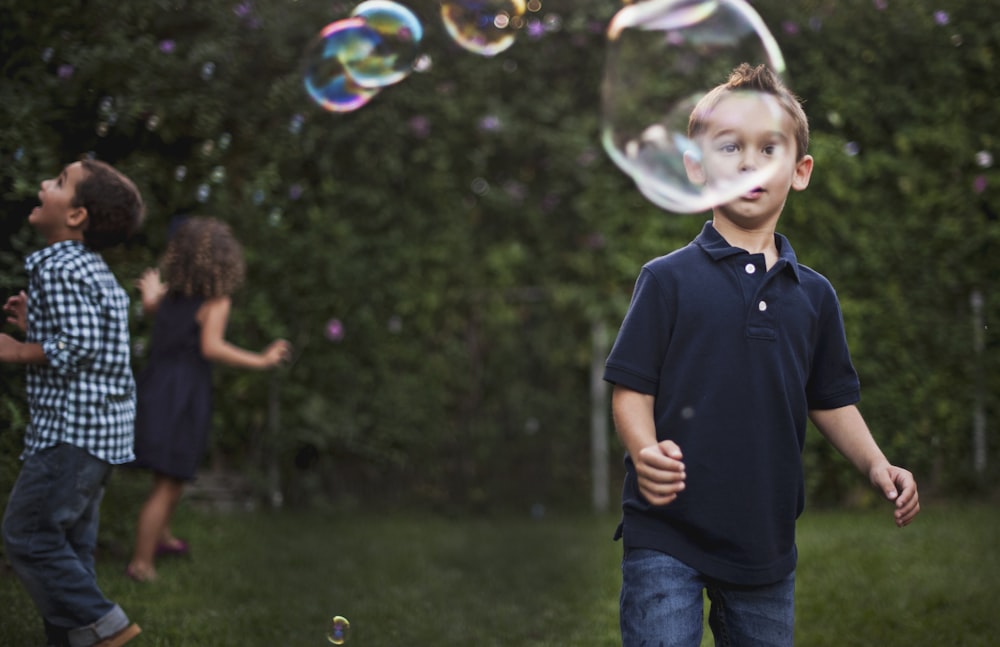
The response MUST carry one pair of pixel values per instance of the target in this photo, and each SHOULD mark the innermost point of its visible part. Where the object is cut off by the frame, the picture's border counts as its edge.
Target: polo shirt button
(750, 268)
(762, 306)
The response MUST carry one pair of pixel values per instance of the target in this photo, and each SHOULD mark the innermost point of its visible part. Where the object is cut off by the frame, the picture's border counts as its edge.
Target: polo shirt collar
(712, 242)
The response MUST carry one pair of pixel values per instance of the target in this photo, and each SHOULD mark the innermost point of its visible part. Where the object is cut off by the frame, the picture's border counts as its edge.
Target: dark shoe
(122, 637)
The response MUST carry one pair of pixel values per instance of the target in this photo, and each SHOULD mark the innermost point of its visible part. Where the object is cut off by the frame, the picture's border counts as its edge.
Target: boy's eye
(729, 148)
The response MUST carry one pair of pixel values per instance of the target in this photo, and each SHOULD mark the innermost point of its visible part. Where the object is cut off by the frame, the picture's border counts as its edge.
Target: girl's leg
(153, 519)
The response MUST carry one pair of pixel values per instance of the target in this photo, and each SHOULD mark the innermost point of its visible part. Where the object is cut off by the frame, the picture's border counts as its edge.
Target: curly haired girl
(189, 296)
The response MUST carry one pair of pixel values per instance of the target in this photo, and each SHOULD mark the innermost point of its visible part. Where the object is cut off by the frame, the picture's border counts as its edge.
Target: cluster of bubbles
(645, 108)
(352, 59)
(339, 629)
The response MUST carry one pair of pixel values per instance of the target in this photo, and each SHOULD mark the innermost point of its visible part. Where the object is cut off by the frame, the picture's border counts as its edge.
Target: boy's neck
(754, 239)
(63, 236)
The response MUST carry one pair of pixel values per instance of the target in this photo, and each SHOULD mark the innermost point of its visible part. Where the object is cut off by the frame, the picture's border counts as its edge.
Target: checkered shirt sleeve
(85, 395)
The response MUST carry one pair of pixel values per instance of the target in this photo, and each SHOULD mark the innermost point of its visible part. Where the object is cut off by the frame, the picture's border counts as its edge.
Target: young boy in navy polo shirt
(728, 347)
(81, 397)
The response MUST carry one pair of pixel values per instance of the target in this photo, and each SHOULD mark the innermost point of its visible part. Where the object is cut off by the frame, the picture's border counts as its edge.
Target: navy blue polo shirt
(736, 355)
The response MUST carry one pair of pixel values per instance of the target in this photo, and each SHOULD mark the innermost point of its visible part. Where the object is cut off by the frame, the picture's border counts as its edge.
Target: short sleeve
(636, 357)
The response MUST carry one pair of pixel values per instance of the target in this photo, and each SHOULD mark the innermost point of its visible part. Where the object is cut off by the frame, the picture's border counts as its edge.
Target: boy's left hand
(17, 310)
(899, 486)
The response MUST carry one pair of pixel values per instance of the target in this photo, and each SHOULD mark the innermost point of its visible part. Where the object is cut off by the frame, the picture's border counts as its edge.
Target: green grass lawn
(275, 579)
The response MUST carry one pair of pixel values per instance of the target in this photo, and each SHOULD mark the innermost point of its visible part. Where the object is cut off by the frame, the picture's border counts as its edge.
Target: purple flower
(881, 5)
(334, 330)
(65, 71)
(489, 123)
(167, 46)
(979, 184)
(941, 17)
(790, 27)
(420, 126)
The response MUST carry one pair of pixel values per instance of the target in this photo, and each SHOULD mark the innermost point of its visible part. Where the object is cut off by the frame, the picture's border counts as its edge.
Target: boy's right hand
(17, 310)
(660, 472)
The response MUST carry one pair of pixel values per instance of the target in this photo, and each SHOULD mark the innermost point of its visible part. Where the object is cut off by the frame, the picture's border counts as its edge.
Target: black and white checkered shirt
(85, 395)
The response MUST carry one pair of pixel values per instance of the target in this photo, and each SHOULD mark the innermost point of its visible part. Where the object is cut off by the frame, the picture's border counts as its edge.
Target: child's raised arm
(213, 317)
(152, 288)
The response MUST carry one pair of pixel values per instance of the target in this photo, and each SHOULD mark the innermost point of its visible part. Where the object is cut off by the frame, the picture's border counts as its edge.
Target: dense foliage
(439, 256)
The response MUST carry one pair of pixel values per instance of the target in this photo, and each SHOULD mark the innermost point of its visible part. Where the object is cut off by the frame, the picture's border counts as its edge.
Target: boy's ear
(77, 218)
(803, 171)
(692, 166)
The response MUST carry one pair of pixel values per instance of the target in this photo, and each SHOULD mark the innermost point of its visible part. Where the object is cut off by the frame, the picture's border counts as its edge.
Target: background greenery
(466, 230)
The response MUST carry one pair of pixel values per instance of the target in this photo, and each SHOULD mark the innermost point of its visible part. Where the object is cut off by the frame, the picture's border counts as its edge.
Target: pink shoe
(180, 549)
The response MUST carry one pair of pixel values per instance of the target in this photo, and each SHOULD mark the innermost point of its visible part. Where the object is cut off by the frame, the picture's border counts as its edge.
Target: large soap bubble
(392, 58)
(663, 57)
(339, 44)
(484, 27)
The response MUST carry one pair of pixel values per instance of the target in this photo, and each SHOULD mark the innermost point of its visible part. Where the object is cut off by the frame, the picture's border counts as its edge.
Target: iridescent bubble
(203, 193)
(218, 174)
(326, 78)
(340, 627)
(180, 172)
(208, 71)
(852, 149)
(152, 123)
(664, 56)
(396, 51)
(984, 159)
(484, 27)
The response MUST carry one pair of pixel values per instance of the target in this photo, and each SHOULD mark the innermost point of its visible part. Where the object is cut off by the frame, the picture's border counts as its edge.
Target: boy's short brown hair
(113, 203)
(754, 79)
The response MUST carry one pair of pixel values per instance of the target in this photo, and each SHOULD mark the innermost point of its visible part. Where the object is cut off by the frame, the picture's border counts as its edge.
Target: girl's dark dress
(174, 407)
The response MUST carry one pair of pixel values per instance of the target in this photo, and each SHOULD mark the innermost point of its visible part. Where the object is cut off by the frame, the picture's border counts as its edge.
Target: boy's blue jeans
(662, 604)
(50, 533)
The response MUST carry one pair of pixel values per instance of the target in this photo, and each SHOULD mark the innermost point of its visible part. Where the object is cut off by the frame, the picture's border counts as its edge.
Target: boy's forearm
(16, 352)
(633, 415)
(847, 431)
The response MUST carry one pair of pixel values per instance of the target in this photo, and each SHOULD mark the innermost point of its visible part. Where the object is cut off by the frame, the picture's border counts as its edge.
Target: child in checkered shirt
(81, 397)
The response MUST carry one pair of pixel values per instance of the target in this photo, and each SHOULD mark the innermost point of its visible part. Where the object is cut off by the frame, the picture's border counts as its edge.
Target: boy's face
(749, 145)
(56, 218)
